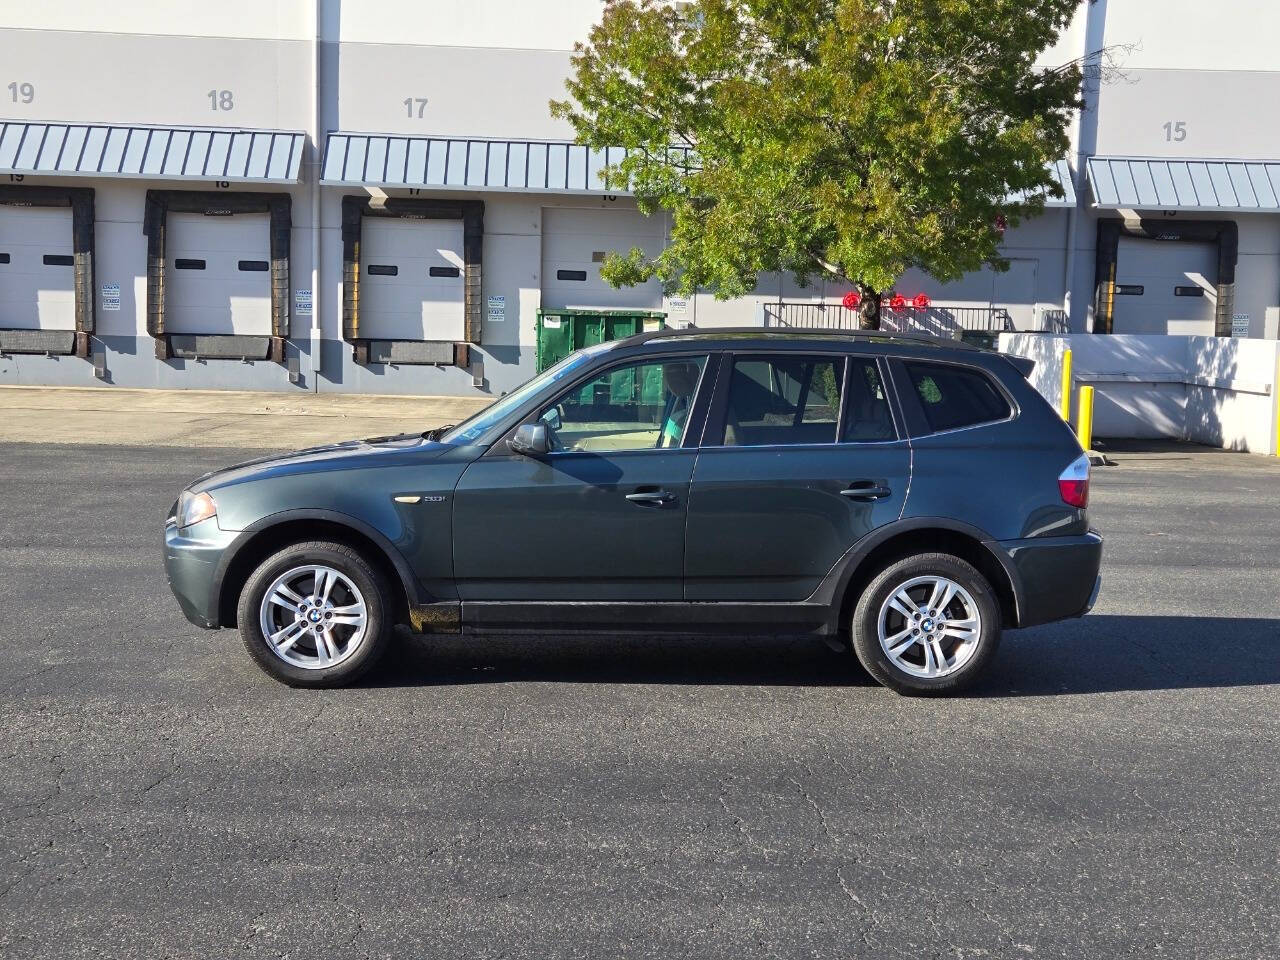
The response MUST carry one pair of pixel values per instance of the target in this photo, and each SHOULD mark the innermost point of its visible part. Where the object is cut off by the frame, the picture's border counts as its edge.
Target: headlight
(195, 507)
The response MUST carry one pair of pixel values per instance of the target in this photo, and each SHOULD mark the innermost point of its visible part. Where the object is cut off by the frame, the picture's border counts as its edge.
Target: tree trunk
(869, 309)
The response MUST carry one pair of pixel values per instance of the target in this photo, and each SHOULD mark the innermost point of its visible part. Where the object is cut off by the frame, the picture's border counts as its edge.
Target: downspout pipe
(1086, 145)
(1069, 264)
(316, 339)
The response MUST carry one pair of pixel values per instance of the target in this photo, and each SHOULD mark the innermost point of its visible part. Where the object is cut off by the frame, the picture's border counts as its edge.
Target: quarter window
(783, 400)
(640, 406)
(954, 397)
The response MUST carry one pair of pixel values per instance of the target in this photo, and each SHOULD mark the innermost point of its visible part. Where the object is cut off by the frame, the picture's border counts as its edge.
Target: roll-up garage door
(1165, 288)
(573, 244)
(37, 269)
(219, 274)
(411, 284)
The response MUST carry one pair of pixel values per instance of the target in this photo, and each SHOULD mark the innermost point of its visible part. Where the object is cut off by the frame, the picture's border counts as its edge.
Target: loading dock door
(218, 274)
(411, 279)
(1165, 288)
(572, 242)
(37, 269)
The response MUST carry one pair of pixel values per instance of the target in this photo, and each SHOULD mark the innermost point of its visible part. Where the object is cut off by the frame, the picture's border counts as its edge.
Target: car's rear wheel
(927, 624)
(315, 615)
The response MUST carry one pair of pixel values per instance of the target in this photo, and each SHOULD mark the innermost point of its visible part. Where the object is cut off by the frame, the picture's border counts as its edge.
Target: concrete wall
(512, 269)
(488, 68)
(1212, 390)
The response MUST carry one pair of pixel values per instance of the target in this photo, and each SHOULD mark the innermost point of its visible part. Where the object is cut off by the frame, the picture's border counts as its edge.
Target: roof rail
(795, 333)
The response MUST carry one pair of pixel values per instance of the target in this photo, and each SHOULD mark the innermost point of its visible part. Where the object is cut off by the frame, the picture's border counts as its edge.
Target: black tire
(378, 611)
(865, 627)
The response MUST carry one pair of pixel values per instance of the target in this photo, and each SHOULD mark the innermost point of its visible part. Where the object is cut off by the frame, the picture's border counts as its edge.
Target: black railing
(936, 320)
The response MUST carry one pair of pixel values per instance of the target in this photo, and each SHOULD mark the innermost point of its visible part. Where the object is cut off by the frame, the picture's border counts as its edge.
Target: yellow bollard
(1065, 403)
(1275, 392)
(1084, 430)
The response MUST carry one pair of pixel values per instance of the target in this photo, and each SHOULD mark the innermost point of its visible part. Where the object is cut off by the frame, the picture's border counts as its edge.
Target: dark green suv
(915, 496)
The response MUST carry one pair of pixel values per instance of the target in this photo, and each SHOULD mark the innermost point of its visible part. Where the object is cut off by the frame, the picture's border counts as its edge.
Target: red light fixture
(851, 300)
(921, 301)
(897, 301)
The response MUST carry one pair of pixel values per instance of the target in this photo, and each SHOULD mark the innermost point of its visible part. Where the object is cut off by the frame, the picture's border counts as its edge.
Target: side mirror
(552, 418)
(530, 440)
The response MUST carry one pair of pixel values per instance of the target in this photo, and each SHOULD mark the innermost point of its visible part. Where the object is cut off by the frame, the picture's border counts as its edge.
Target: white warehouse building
(340, 196)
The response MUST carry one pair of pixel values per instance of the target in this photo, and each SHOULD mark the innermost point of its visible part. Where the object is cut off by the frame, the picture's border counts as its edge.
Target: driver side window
(640, 406)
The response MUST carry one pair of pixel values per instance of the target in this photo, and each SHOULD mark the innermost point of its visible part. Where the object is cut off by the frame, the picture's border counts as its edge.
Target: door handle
(866, 490)
(651, 498)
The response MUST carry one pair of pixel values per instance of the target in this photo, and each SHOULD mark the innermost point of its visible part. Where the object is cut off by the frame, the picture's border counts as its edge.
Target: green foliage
(929, 391)
(859, 137)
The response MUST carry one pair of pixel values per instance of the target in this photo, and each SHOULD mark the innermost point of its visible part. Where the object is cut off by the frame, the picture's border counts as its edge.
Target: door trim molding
(80, 200)
(368, 350)
(1224, 233)
(215, 203)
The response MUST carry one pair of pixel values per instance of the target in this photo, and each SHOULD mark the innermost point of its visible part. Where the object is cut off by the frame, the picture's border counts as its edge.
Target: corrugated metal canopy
(374, 160)
(455, 163)
(1060, 170)
(151, 153)
(1139, 183)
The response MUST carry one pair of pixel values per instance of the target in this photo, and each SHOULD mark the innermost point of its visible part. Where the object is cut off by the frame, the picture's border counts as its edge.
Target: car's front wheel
(315, 615)
(927, 624)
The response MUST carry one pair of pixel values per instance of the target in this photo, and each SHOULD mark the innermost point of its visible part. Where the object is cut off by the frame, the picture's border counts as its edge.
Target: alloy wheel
(929, 627)
(313, 617)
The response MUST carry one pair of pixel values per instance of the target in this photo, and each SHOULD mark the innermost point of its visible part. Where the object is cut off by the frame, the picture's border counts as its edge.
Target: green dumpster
(560, 332)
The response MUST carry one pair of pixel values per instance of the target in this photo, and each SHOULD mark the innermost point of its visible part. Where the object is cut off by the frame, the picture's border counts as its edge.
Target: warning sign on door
(497, 309)
(302, 303)
(111, 296)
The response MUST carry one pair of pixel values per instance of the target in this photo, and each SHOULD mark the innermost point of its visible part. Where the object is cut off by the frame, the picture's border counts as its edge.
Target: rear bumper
(1058, 576)
(193, 563)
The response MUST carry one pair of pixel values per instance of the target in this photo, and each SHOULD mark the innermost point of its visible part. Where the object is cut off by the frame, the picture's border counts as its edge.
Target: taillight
(1073, 482)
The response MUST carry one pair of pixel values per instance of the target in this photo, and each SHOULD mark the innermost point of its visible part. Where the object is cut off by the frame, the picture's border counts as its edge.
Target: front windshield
(468, 431)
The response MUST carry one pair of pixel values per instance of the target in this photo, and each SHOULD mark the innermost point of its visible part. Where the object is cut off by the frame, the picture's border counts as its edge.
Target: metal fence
(936, 320)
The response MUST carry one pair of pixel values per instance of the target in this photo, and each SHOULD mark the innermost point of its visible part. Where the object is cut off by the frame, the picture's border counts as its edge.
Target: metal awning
(1140, 183)
(455, 163)
(1060, 171)
(445, 163)
(151, 153)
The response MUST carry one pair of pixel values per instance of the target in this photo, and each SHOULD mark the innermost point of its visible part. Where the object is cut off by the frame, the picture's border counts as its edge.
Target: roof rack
(798, 333)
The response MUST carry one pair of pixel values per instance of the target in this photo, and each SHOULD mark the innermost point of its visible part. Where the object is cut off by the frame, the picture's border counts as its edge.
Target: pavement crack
(162, 778)
(822, 817)
(848, 891)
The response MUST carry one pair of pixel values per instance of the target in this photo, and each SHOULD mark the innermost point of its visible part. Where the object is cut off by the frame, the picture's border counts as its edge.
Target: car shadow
(728, 660)
(1096, 654)
(1107, 653)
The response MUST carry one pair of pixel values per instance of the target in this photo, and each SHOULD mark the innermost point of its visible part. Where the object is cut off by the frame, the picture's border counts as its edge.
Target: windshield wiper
(436, 432)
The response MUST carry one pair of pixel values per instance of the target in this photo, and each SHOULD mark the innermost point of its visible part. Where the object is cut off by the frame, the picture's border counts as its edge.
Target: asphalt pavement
(1109, 791)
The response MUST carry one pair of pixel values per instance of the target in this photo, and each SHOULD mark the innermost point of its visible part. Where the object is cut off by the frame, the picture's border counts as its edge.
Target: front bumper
(1059, 576)
(193, 564)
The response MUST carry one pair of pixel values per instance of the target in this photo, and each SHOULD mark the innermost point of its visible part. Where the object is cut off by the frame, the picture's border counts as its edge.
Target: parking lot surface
(1109, 791)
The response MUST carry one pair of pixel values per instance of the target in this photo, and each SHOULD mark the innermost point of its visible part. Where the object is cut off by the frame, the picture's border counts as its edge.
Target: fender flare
(408, 579)
(834, 585)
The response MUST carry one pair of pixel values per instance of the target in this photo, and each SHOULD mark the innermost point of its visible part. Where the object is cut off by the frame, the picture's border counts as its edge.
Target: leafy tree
(855, 137)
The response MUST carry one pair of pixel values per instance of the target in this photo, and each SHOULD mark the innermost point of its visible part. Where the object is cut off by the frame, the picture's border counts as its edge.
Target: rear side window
(783, 400)
(866, 418)
(953, 397)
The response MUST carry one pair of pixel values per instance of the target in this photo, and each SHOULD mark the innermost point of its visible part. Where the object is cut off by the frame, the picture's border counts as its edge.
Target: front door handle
(651, 498)
(866, 490)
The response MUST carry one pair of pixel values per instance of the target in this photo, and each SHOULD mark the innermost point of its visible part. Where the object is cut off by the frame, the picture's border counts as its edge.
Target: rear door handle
(651, 498)
(866, 490)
